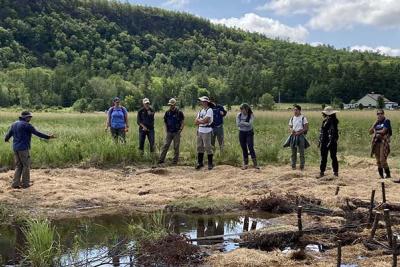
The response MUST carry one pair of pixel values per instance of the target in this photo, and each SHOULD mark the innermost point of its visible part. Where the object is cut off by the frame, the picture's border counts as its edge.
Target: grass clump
(42, 248)
(202, 205)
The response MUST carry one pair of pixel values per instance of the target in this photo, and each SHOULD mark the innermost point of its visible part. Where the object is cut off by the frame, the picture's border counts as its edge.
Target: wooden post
(371, 207)
(386, 213)
(339, 253)
(337, 190)
(383, 192)
(375, 225)
(299, 221)
(253, 225)
(394, 249)
(246, 224)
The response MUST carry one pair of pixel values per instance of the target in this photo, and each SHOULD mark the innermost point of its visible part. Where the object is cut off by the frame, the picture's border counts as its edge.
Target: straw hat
(204, 99)
(329, 111)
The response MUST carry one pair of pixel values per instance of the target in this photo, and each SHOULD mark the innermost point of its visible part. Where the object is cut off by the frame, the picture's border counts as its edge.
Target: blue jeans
(246, 139)
(142, 139)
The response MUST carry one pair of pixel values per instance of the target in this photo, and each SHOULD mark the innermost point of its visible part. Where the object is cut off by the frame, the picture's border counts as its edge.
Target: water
(97, 236)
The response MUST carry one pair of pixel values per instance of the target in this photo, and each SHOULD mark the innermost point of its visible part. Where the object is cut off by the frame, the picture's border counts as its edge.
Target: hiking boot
(210, 162)
(387, 172)
(336, 174)
(200, 157)
(245, 166)
(255, 165)
(320, 175)
(380, 171)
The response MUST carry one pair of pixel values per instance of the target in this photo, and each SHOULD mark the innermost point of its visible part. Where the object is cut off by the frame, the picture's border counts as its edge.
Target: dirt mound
(67, 192)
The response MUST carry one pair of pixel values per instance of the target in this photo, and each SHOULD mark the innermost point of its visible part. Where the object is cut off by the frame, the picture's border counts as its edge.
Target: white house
(370, 101)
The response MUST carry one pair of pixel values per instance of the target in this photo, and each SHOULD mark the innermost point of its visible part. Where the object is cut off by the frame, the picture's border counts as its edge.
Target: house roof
(376, 96)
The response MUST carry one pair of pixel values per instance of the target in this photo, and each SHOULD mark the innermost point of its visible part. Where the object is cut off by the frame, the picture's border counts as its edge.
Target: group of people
(209, 122)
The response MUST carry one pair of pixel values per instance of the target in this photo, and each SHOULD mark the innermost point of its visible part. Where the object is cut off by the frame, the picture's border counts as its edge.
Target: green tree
(266, 102)
(380, 103)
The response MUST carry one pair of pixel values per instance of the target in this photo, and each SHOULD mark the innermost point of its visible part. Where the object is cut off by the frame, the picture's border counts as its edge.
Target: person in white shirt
(298, 127)
(204, 121)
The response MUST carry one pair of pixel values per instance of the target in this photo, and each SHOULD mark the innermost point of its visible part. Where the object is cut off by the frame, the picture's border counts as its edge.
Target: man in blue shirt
(21, 131)
(174, 121)
(219, 113)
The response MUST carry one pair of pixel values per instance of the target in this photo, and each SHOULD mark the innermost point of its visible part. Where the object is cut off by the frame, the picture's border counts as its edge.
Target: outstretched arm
(8, 135)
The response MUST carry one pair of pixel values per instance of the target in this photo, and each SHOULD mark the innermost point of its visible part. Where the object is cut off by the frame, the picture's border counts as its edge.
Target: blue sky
(357, 24)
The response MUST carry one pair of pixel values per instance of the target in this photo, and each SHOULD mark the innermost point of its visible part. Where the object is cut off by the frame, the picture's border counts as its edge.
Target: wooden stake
(337, 190)
(371, 207)
(394, 263)
(388, 223)
(299, 221)
(246, 224)
(254, 225)
(339, 253)
(375, 225)
(383, 192)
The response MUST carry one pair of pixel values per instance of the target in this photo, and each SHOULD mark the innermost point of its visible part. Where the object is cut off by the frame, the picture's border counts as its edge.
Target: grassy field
(83, 141)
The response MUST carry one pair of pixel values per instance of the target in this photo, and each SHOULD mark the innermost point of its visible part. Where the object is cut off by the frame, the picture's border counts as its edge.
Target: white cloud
(271, 28)
(177, 3)
(338, 14)
(285, 7)
(383, 50)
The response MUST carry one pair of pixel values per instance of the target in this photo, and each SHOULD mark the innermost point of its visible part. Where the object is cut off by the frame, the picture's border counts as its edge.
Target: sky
(356, 24)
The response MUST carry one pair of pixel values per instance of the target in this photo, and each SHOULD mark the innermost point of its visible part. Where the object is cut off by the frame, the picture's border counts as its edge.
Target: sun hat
(146, 101)
(25, 114)
(172, 102)
(204, 99)
(329, 111)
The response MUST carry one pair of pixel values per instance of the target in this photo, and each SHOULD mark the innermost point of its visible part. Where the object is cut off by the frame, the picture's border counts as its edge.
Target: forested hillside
(61, 52)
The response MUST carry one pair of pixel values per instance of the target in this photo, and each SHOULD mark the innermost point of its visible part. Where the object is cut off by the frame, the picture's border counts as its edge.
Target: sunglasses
(379, 113)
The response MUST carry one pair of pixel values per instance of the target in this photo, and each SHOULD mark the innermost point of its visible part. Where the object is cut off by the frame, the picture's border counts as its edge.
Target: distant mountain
(55, 52)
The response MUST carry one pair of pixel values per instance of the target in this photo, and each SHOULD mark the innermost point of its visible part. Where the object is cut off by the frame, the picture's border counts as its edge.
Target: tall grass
(83, 141)
(42, 248)
(150, 228)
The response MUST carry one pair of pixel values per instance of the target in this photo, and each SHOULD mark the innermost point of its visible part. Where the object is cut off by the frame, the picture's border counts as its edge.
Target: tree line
(80, 53)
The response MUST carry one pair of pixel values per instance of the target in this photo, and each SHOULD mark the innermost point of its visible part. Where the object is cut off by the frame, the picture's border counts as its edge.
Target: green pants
(218, 133)
(176, 138)
(299, 147)
(22, 168)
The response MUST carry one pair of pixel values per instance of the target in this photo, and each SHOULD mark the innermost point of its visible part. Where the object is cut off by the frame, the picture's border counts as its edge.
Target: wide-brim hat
(25, 114)
(204, 99)
(329, 111)
(172, 102)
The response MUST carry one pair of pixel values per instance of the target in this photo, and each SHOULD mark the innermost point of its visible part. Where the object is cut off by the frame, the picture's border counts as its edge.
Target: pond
(97, 236)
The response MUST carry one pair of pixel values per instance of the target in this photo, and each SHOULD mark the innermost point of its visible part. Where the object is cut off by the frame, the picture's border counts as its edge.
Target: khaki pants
(381, 160)
(176, 137)
(204, 143)
(22, 168)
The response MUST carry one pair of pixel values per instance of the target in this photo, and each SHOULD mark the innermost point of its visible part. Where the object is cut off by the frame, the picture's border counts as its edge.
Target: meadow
(82, 140)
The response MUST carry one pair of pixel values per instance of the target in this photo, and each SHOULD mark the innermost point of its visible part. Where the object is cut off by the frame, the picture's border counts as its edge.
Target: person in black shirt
(219, 113)
(174, 121)
(328, 140)
(145, 120)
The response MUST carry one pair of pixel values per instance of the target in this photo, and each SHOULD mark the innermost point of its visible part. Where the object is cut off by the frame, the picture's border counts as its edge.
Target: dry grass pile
(276, 203)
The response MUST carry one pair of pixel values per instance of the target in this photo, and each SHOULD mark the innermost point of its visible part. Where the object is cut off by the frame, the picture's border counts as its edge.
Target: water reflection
(103, 240)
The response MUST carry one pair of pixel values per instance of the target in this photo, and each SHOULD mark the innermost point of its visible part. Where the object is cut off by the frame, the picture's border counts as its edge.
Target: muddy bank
(75, 192)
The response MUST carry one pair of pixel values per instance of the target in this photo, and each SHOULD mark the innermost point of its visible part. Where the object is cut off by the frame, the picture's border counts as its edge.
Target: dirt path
(77, 192)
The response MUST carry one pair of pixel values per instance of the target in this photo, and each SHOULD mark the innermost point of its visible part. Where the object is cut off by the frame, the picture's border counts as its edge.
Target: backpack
(302, 121)
(390, 132)
(209, 125)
